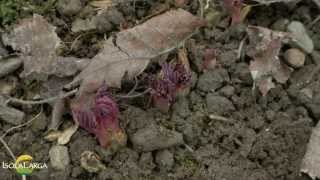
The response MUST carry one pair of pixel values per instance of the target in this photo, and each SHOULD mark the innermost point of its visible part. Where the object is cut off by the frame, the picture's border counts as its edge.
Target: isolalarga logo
(24, 165)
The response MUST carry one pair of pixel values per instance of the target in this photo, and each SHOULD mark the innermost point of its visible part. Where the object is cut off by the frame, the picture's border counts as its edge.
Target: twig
(241, 47)
(8, 148)
(314, 21)
(135, 95)
(220, 118)
(21, 125)
(134, 87)
(27, 102)
(201, 8)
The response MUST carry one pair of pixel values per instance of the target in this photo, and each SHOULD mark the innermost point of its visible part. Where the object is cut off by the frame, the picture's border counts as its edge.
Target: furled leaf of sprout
(98, 114)
(264, 48)
(172, 78)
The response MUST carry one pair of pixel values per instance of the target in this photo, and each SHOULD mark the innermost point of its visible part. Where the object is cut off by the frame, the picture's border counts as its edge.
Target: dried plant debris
(267, 2)
(264, 48)
(311, 161)
(37, 40)
(130, 52)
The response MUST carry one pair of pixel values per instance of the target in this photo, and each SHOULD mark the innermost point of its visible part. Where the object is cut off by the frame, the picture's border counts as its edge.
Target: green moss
(11, 10)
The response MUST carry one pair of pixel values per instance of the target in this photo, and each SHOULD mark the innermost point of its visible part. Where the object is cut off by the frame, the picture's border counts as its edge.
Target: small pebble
(295, 57)
(59, 157)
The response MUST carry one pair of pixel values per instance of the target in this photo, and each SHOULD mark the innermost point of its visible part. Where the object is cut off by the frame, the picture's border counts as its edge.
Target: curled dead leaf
(130, 52)
(37, 40)
(264, 48)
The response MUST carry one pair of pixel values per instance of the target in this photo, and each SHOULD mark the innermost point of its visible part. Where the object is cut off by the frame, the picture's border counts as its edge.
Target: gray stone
(83, 25)
(181, 107)
(212, 80)
(165, 159)
(8, 66)
(11, 115)
(227, 91)
(242, 72)
(301, 37)
(3, 51)
(69, 7)
(295, 57)
(155, 137)
(59, 157)
(280, 24)
(219, 104)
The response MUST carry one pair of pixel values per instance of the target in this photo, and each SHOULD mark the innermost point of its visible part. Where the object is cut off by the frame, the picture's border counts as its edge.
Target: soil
(264, 138)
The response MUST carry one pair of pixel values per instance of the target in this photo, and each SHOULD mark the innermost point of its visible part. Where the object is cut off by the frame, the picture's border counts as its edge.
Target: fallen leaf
(311, 161)
(66, 135)
(244, 12)
(183, 59)
(130, 52)
(91, 162)
(264, 48)
(37, 40)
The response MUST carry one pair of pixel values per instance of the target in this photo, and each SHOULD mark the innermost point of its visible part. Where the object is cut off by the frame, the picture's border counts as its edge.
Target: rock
(3, 51)
(83, 25)
(102, 22)
(280, 24)
(155, 137)
(212, 80)
(69, 7)
(316, 57)
(181, 107)
(301, 38)
(59, 157)
(146, 161)
(165, 159)
(8, 66)
(227, 91)
(243, 73)
(40, 123)
(11, 115)
(219, 105)
(295, 57)
(8, 85)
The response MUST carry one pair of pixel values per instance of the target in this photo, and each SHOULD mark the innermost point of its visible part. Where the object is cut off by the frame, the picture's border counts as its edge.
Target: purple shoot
(173, 78)
(100, 118)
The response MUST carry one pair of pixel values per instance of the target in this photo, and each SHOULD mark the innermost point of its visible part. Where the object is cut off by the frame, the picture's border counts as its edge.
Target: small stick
(135, 95)
(8, 148)
(241, 47)
(220, 118)
(27, 102)
(314, 21)
(21, 125)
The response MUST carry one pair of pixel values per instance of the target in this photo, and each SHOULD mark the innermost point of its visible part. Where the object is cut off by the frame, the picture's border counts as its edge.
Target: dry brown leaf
(37, 40)
(66, 135)
(130, 52)
(264, 48)
(311, 161)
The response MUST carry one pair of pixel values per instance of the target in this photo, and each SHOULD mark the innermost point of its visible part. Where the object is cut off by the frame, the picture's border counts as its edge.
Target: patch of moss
(11, 10)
